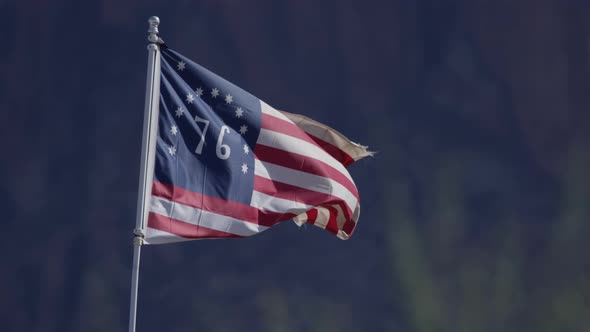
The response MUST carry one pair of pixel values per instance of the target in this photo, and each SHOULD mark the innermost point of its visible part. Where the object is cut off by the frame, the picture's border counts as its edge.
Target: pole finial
(153, 31)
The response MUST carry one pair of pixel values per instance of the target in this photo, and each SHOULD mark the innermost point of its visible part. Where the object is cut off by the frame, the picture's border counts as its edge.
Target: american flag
(229, 165)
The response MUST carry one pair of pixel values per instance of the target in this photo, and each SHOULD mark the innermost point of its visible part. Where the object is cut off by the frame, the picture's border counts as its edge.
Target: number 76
(222, 150)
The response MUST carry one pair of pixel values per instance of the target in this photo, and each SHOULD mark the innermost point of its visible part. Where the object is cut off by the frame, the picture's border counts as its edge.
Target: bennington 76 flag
(229, 165)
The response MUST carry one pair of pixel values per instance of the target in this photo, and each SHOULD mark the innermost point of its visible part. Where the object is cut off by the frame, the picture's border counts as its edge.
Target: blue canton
(207, 130)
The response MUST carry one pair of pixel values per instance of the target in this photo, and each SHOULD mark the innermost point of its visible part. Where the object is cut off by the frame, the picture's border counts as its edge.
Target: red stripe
(217, 205)
(183, 229)
(312, 215)
(343, 157)
(284, 127)
(349, 226)
(269, 219)
(297, 194)
(304, 164)
(204, 202)
(332, 225)
(288, 128)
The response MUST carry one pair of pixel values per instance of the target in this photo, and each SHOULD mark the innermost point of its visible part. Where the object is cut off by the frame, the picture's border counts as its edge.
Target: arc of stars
(172, 150)
(190, 98)
(243, 129)
(179, 111)
(199, 92)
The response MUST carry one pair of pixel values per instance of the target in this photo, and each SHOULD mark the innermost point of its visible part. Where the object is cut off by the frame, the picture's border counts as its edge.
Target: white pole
(148, 147)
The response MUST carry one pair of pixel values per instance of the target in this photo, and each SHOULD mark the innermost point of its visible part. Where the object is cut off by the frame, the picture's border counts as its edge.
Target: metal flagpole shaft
(148, 146)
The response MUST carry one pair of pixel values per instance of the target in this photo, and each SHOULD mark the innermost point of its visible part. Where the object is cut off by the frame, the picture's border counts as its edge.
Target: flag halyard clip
(139, 236)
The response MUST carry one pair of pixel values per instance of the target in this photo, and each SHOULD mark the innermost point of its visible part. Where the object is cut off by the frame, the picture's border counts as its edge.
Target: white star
(229, 99)
(172, 150)
(246, 149)
(244, 168)
(214, 93)
(239, 112)
(190, 98)
(199, 92)
(179, 111)
(243, 129)
(174, 130)
(181, 65)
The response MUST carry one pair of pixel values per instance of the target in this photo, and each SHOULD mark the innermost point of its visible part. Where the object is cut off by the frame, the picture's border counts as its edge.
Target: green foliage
(503, 281)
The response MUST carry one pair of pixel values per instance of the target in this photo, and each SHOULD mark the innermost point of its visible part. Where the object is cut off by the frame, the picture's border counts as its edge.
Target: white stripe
(156, 236)
(204, 218)
(275, 204)
(323, 217)
(342, 236)
(267, 109)
(305, 180)
(328, 135)
(340, 218)
(295, 145)
(356, 213)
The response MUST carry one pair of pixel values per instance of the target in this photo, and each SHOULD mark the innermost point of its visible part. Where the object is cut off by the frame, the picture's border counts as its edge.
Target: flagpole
(148, 147)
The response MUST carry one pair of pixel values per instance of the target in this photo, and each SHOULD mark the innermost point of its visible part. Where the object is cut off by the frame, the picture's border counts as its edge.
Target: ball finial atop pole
(153, 31)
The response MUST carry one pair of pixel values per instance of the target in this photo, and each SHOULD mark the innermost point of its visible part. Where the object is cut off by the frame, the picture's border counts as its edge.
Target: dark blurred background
(475, 210)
